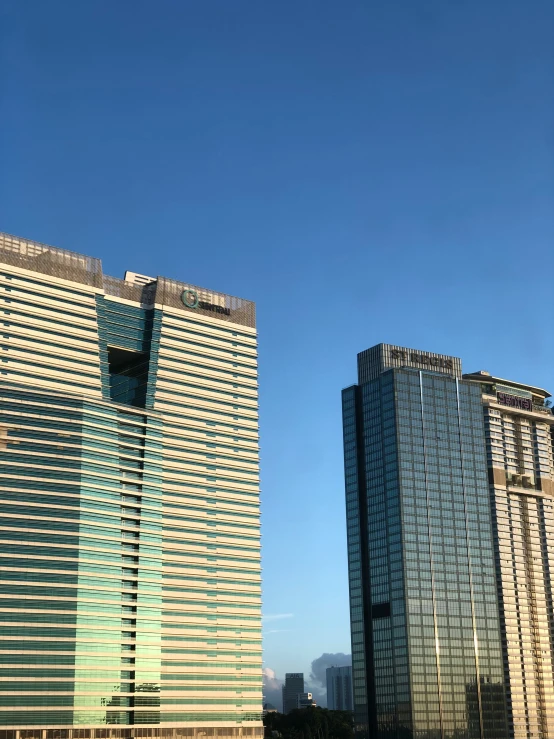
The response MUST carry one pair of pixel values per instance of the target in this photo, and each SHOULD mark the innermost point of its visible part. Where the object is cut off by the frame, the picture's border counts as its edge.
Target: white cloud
(277, 616)
(272, 688)
(318, 680)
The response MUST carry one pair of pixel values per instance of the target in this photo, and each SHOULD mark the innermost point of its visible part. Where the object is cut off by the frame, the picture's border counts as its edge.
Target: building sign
(525, 404)
(382, 357)
(419, 358)
(191, 300)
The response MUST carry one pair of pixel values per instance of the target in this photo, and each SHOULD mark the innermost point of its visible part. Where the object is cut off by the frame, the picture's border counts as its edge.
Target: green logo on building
(190, 298)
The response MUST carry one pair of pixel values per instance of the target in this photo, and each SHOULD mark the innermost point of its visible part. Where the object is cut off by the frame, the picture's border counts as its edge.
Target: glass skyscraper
(129, 523)
(426, 642)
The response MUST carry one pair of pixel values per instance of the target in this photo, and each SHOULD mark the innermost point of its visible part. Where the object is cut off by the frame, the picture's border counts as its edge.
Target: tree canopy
(309, 723)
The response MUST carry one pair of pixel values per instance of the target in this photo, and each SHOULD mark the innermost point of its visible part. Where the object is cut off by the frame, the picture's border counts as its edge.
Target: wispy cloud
(276, 631)
(277, 616)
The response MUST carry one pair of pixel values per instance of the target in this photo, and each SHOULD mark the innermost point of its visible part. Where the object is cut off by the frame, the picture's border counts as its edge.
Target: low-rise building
(304, 700)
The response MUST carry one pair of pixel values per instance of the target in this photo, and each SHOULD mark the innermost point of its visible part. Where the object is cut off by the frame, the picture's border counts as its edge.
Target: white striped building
(129, 508)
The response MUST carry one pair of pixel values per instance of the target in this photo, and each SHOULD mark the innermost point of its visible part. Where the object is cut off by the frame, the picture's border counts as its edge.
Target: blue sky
(364, 171)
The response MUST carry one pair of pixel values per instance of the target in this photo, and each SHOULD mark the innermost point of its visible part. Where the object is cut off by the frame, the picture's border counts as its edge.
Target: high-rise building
(293, 687)
(518, 428)
(130, 540)
(426, 643)
(339, 688)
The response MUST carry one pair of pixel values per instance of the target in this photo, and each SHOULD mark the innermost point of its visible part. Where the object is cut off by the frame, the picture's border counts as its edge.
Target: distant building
(339, 688)
(269, 708)
(303, 700)
(294, 685)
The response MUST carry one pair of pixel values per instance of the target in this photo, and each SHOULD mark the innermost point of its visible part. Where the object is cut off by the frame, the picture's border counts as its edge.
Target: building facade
(305, 700)
(129, 530)
(518, 427)
(339, 688)
(427, 655)
(293, 687)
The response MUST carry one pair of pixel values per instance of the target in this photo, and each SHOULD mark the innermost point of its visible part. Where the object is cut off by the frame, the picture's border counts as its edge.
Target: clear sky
(365, 170)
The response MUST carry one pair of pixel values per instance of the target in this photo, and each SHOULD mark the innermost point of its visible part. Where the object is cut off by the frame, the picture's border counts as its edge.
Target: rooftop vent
(135, 279)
